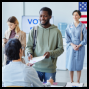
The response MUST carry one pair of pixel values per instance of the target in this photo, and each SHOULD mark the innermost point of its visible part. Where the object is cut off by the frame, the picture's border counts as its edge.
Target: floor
(63, 76)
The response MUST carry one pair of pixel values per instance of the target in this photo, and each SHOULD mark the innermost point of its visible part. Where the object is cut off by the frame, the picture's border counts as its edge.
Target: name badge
(17, 36)
(71, 27)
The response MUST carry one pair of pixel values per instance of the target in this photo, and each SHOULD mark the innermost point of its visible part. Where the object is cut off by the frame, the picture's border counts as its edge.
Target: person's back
(18, 74)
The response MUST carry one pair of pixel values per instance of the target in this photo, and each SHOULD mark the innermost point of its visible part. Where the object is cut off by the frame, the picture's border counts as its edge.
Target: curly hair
(46, 9)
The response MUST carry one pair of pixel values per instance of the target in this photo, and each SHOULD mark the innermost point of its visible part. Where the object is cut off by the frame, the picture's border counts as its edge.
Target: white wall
(62, 11)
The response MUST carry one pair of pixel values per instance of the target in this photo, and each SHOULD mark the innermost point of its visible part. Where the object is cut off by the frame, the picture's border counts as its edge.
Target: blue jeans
(46, 76)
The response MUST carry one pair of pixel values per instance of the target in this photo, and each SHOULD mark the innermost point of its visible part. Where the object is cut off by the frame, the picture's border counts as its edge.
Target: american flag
(83, 9)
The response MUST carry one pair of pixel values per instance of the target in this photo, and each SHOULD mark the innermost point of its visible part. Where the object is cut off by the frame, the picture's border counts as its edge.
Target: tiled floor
(63, 76)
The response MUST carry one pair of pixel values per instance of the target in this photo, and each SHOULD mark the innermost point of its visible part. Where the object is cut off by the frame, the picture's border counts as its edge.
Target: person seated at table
(17, 73)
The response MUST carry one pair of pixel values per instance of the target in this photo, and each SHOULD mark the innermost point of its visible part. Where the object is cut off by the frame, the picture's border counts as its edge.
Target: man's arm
(29, 44)
(59, 50)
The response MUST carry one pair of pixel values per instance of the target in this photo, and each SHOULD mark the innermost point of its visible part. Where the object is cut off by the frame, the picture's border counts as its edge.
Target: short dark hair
(78, 11)
(46, 9)
(12, 48)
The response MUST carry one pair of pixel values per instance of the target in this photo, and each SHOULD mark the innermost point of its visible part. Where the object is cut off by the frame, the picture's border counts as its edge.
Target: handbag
(81, 35)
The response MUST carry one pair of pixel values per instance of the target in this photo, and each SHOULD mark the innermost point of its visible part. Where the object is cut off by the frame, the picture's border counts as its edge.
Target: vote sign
(29, 21)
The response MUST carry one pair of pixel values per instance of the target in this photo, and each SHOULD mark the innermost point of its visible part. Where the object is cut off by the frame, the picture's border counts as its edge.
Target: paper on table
(56, 86)
(37, 59)
(85, 84)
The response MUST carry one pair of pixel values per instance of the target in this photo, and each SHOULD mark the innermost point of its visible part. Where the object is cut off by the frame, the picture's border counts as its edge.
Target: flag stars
(83, 6)
(80, 8)
(82, 2)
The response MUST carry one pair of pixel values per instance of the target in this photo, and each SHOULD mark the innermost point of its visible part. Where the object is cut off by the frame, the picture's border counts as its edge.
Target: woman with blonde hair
(14, 32)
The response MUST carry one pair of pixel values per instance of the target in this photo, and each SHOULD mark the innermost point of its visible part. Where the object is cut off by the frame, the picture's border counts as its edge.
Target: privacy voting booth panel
(29, 21)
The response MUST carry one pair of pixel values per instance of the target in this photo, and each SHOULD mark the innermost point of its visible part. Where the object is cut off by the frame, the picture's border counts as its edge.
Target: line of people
(49, 43)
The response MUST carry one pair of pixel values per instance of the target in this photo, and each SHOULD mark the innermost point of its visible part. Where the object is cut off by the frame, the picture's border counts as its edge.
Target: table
(64, 84)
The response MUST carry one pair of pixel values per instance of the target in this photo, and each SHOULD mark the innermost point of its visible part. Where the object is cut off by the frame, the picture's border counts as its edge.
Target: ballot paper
(69, 84)
(36, 59)
(55, 84)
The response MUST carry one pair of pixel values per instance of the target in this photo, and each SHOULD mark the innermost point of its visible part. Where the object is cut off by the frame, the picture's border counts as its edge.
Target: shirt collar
(13, 30)
(78, 24)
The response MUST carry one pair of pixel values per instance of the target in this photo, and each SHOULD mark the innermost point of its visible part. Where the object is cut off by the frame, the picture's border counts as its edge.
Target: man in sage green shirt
(49, 43)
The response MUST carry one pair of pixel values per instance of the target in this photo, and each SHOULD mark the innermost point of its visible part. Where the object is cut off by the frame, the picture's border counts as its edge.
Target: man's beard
(45, 23)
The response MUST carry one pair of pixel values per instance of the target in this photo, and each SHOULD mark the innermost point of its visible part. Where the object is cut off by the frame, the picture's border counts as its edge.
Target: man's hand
(47, 55)
(30, 57)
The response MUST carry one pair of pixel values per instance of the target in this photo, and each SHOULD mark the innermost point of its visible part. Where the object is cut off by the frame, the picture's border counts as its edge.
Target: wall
(62, 11)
